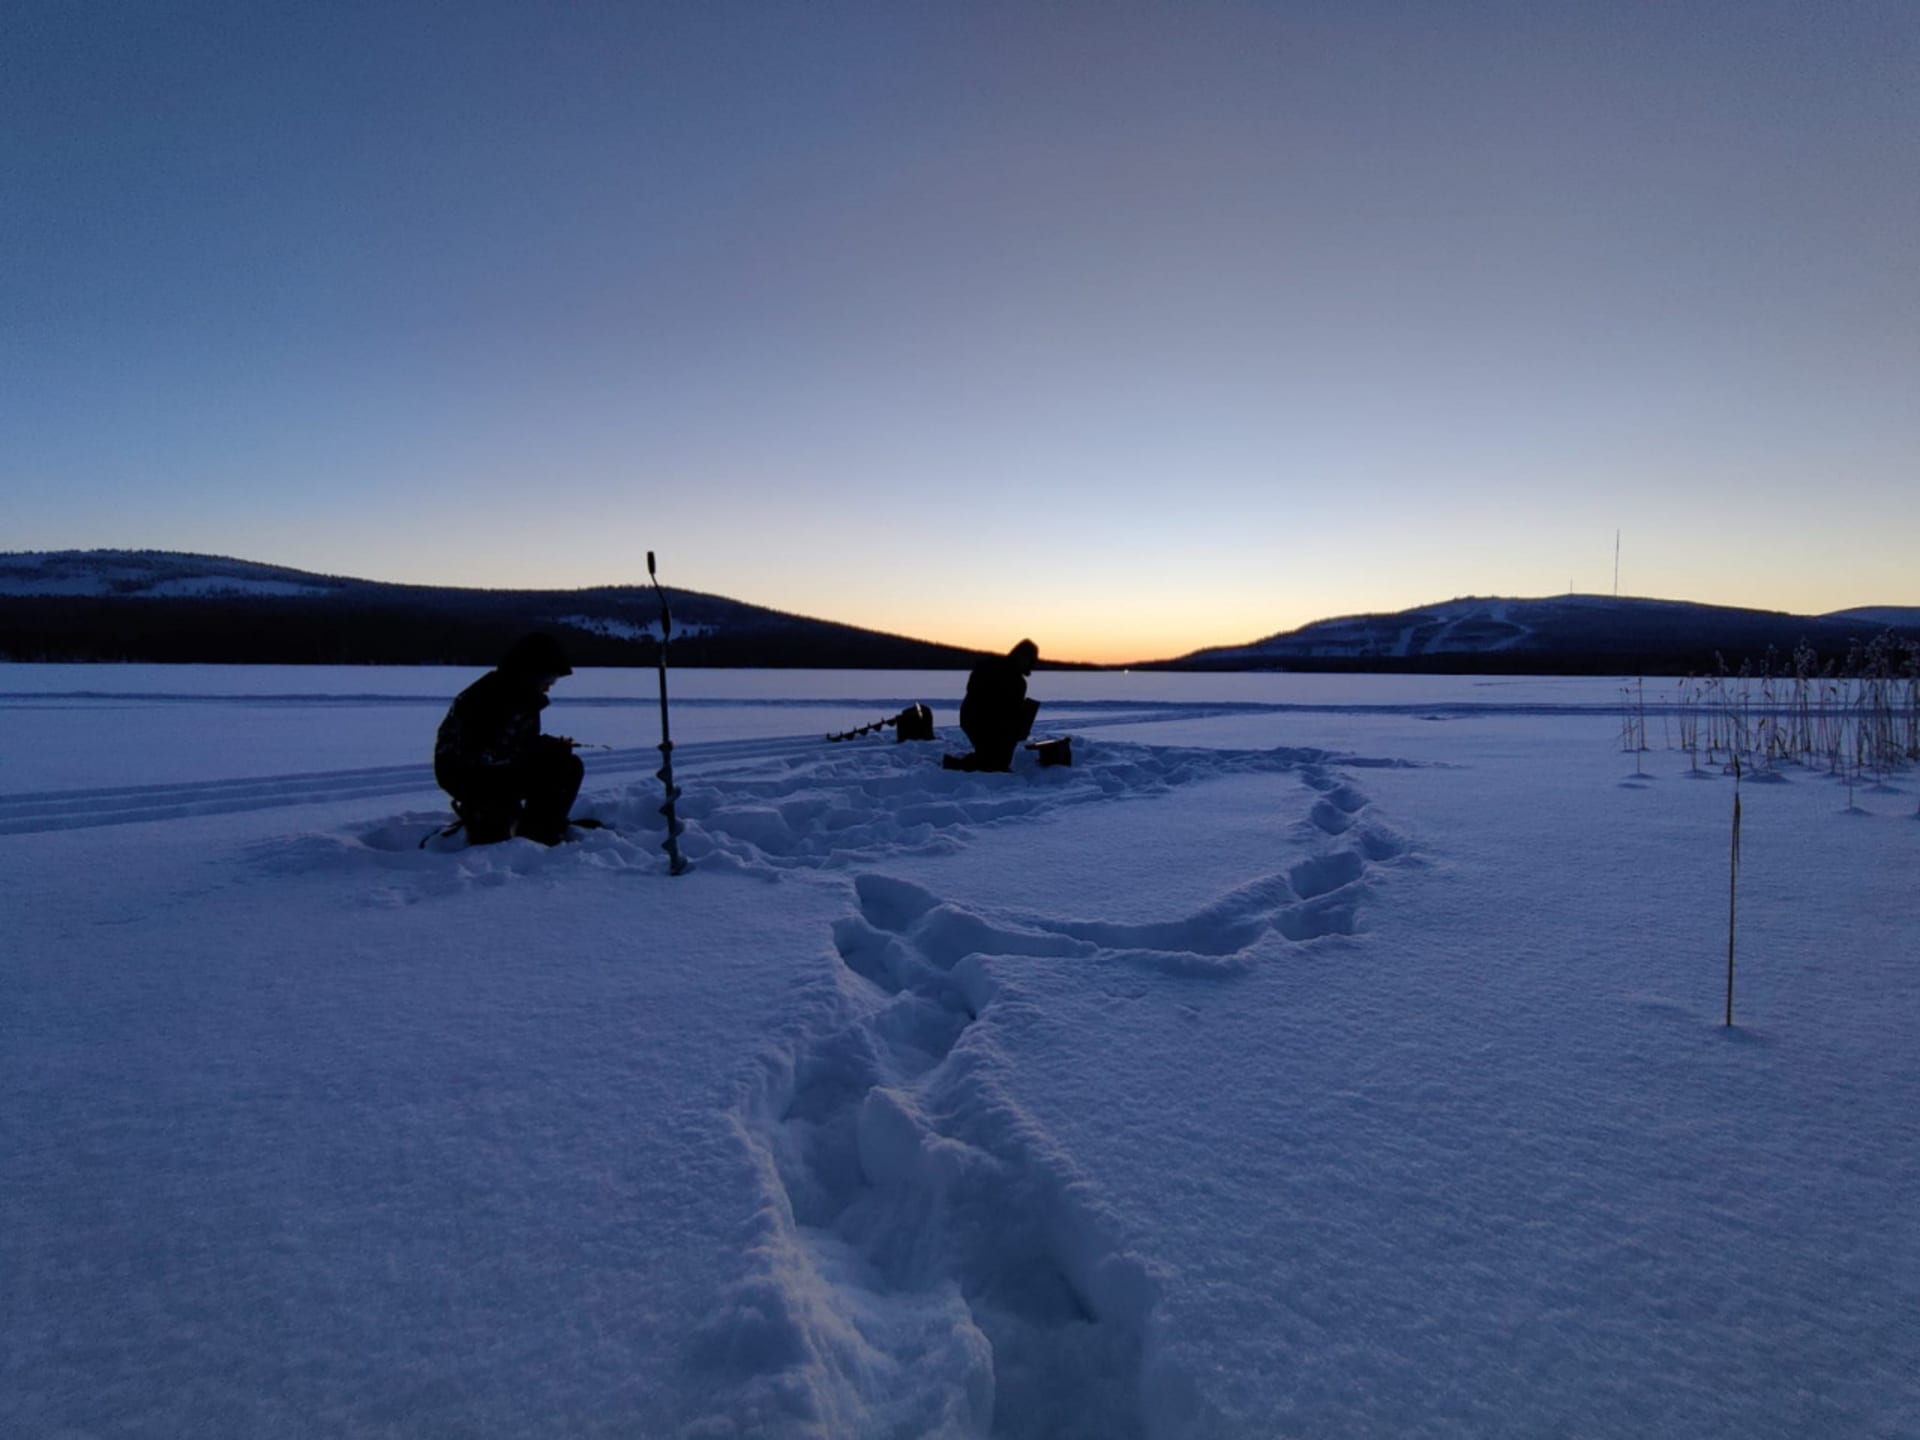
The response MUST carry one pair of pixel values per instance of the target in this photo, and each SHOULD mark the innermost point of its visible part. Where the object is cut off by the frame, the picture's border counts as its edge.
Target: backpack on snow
(914, 723)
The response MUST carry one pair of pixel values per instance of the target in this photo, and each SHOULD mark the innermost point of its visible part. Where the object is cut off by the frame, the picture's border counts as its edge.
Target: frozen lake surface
(1317, 1056)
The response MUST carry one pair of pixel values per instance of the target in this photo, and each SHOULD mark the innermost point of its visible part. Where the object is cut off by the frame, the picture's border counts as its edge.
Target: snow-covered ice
(1315, 1057)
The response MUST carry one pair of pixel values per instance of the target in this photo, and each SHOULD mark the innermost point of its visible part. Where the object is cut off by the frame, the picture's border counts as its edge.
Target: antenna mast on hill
(1616, 564)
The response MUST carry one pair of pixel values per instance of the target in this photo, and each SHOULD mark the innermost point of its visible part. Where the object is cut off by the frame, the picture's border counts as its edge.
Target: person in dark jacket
(996, 714)
(505, 777)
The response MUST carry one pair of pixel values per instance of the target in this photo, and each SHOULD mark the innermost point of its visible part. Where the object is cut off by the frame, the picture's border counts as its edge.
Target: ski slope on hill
(1311, 1058)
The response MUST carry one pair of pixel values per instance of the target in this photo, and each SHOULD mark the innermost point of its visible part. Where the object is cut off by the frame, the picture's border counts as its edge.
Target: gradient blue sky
(1133, 327)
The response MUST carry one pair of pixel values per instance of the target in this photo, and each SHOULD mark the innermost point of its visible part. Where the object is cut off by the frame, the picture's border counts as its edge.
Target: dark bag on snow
(914, 723)
(1053, 752)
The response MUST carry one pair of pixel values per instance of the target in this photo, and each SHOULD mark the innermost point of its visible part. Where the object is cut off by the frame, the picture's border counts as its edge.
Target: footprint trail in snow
(927, 1258)
(924, 1257)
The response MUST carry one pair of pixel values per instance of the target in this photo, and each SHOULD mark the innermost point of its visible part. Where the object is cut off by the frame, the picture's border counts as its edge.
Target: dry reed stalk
(1733, 885)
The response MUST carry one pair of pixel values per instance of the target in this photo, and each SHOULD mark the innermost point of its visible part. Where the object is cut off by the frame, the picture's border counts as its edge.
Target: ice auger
(915, 723)
(676, 862)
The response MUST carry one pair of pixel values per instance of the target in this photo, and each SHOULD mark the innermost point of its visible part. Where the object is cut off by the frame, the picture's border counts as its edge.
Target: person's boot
(485, 826)
(543, 825)
(551, 796)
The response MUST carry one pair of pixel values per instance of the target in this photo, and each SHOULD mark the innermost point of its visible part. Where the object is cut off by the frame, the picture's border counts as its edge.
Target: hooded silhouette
(996, 714)
(505, 777)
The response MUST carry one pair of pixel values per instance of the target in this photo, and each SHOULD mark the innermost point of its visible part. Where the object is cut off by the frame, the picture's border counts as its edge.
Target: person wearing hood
(505, 777)
(996, 713)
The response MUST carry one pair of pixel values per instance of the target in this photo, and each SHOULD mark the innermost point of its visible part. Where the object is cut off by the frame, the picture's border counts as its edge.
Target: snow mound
(853, 806)
(766, 809)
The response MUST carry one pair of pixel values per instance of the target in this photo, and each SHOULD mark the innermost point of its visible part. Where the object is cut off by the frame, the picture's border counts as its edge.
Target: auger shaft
(676, 862)
(875, 728)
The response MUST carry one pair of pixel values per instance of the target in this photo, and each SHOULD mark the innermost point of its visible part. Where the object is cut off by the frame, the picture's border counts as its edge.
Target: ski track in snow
(924, 1258)
(43, 811)
(36, 812)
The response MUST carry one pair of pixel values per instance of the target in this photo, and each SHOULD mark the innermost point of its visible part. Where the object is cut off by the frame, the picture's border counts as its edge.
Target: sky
(1130, 327)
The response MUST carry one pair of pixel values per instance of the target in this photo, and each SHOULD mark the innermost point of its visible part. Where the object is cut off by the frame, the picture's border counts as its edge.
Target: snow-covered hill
(1568, 633)
(162, 605)
(151, 574)
(1900, 617)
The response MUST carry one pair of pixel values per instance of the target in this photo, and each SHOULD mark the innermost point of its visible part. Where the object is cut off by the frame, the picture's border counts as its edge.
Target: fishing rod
(676, 862)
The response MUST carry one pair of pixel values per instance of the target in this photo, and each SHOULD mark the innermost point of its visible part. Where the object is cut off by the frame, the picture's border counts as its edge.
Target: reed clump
(1855, 718)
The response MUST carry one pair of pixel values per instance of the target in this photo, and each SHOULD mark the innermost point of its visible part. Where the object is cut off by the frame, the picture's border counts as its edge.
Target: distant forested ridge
(171, 607)
(165, 606)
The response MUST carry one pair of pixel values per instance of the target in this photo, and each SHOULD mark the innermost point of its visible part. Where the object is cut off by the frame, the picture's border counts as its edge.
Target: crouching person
(996, 713)
(505, 777)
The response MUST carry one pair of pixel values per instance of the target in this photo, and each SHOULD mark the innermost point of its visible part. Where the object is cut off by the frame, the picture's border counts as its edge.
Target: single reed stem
(1733, 886)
